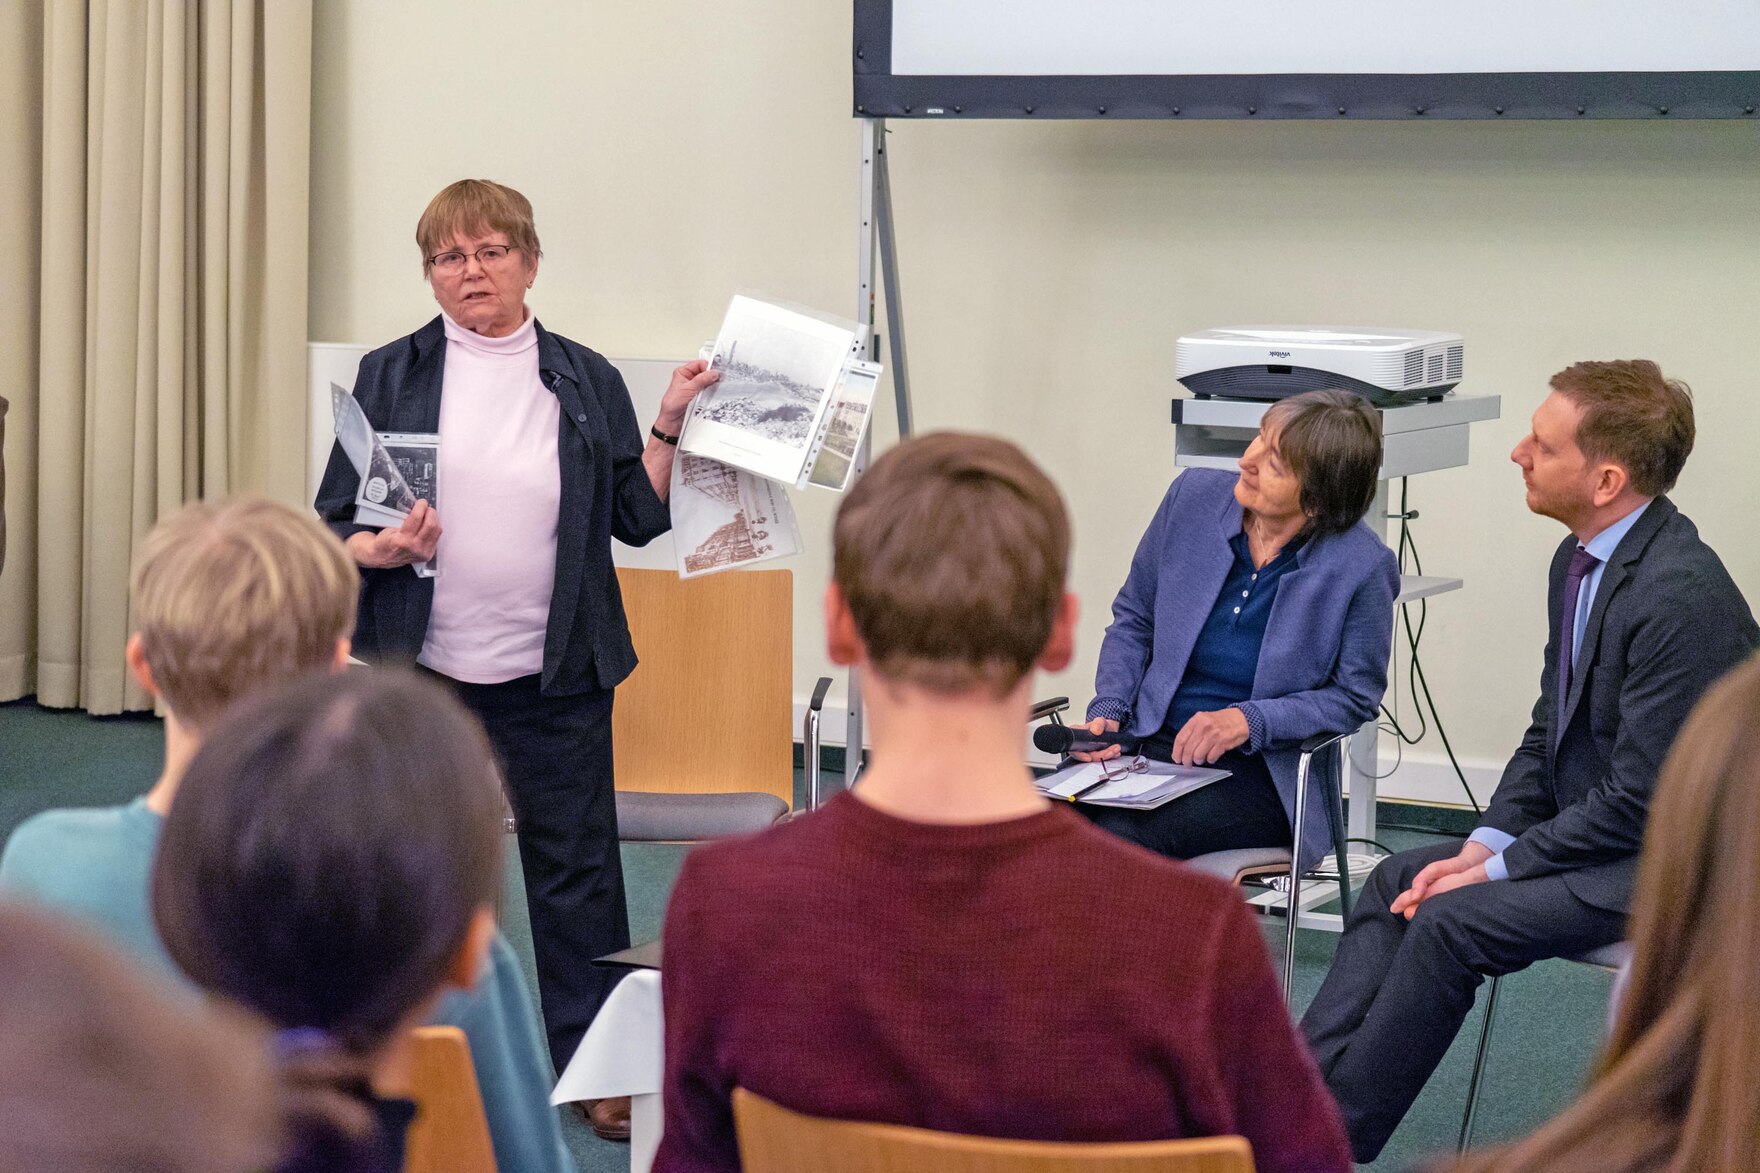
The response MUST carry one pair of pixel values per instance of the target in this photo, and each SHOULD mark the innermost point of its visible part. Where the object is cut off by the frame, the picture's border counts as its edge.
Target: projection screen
(1307, 58)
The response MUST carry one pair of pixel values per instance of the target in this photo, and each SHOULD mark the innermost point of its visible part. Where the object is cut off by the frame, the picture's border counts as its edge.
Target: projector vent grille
(1414, 367)
(1454, 363)
(1435, 367)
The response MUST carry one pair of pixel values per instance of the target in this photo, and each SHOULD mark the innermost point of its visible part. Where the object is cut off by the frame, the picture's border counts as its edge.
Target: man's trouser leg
(1399, 990)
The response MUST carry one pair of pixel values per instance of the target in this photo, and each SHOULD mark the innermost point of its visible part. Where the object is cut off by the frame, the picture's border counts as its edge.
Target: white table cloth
(624, 1054)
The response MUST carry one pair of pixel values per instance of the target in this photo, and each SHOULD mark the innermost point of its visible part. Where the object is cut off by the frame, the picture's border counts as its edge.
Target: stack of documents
(791, 408)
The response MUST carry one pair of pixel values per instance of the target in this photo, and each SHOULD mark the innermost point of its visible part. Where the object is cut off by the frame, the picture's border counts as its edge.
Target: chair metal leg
(1293, 906)
(1335, 809)
(1478, 1069)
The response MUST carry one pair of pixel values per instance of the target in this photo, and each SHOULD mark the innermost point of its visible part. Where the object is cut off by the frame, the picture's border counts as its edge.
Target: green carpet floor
(1549, 1021)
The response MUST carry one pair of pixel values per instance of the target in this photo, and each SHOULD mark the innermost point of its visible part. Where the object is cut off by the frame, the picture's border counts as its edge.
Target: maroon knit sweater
(1035, 978)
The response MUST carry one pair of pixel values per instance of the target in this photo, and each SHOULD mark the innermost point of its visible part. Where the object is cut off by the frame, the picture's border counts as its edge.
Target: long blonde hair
(1675, 1088)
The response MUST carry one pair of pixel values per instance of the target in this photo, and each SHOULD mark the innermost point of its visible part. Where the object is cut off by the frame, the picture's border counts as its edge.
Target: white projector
(1271, 362)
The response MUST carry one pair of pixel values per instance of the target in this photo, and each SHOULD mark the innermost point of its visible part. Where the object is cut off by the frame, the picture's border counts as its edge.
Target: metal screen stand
(876, 257)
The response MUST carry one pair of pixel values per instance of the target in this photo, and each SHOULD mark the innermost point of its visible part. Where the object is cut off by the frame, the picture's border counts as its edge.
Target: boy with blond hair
(942, 946)
(231, 597)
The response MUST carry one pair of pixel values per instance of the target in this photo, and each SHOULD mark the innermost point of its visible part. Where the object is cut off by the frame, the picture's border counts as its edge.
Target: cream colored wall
(677, 151)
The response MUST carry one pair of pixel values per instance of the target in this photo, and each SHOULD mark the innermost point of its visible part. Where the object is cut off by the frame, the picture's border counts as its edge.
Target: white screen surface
(978, 38)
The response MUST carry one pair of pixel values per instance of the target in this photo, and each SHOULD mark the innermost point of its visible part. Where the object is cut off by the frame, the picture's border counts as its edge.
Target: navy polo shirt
(1226, 657)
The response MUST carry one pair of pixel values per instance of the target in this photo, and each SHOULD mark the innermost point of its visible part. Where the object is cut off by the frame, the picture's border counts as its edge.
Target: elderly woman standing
(541, 464)
(1258, 612)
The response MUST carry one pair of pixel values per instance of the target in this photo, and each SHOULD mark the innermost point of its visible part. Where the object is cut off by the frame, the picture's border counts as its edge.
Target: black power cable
(1416, 683)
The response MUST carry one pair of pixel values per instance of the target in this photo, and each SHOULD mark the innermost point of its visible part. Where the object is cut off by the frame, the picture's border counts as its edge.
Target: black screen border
(1659, 95)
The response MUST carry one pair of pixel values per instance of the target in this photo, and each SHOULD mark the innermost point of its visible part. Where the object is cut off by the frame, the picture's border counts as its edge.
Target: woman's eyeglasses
(1117, 769)
(453, 261)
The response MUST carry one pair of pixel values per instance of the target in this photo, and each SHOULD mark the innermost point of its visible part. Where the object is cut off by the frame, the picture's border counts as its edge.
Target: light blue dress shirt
(1602, 545)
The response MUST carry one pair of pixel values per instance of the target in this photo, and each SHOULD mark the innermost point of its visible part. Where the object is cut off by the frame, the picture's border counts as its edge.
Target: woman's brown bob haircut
(1633, 417)
(1331, 441)
(951, 554)
(475, 207)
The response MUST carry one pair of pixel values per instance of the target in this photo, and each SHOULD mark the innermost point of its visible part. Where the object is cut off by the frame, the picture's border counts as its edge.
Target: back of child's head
(104, 1070)
(233, 595)
(330, 849)
(951, 555)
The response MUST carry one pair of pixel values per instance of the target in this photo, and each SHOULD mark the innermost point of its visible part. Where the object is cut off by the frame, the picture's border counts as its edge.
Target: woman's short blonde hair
(232, 595)
(472, 207)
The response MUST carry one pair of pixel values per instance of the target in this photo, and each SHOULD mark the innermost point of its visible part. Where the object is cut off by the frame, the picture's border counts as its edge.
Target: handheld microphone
(1061, 739)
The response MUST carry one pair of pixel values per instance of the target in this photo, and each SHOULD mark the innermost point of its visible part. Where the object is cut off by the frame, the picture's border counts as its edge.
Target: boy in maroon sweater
(943, 947)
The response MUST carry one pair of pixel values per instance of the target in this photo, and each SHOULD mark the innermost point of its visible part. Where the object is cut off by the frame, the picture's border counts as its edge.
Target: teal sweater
(95, 865)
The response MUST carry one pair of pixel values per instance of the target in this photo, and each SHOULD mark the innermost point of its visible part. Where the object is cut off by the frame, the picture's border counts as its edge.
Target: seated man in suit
(942, 946)
(1642, 618)
(231, 598)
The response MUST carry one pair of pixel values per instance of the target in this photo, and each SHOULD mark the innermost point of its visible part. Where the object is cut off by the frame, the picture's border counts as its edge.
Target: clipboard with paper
(396, 469)
(1142, 784)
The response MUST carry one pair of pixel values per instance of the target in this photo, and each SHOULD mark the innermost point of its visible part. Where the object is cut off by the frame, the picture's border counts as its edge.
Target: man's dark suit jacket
(605, 494)
(1667, 621)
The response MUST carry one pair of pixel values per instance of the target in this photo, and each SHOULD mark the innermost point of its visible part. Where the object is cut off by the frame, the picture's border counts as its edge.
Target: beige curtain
(164, 150)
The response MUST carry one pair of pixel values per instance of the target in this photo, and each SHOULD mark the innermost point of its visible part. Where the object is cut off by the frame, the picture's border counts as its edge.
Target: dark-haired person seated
(1675, 1087)
(942, 946)
(230, 598)
(331, 866)
(103, 1070)
(1641, 617)
(1258, 613)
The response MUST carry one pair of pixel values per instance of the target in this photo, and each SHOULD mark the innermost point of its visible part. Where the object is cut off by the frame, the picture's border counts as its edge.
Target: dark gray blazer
(1323, 664)
(605, 494)
(1667, 622)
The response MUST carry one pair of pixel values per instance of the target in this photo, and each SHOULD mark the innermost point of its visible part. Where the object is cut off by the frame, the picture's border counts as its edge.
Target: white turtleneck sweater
(499, 491)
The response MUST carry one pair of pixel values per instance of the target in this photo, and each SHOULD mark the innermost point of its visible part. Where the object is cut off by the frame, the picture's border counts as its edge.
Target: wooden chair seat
(773, 1139)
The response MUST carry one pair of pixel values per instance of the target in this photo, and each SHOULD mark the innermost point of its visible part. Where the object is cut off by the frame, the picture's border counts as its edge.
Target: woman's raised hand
(687, 380)
(413, 541)
(1096, 726)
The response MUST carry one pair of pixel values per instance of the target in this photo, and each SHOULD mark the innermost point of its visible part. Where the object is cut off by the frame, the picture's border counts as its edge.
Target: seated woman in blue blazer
(1258, 612)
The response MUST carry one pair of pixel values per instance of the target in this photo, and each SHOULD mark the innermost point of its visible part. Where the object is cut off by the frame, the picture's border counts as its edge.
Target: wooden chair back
(451, 1131)
(710, 708)
(773, 1139)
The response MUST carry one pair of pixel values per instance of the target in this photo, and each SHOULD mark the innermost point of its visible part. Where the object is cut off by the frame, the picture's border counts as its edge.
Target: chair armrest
(1049, 707)
(810, 740)
(1320, 741)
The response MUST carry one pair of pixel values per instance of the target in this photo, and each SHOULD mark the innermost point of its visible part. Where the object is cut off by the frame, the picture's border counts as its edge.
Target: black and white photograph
(402, 469)
(836, 457)
(779, 371)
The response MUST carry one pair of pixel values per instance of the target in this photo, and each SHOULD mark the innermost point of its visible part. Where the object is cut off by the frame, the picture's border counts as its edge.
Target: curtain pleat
(22, 46)
(174, 159)
(61, 402)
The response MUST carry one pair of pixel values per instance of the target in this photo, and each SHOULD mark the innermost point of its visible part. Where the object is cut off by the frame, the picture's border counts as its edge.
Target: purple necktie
(1581, 563)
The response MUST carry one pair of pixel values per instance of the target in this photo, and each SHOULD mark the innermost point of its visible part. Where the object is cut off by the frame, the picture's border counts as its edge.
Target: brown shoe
(608, 1118)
